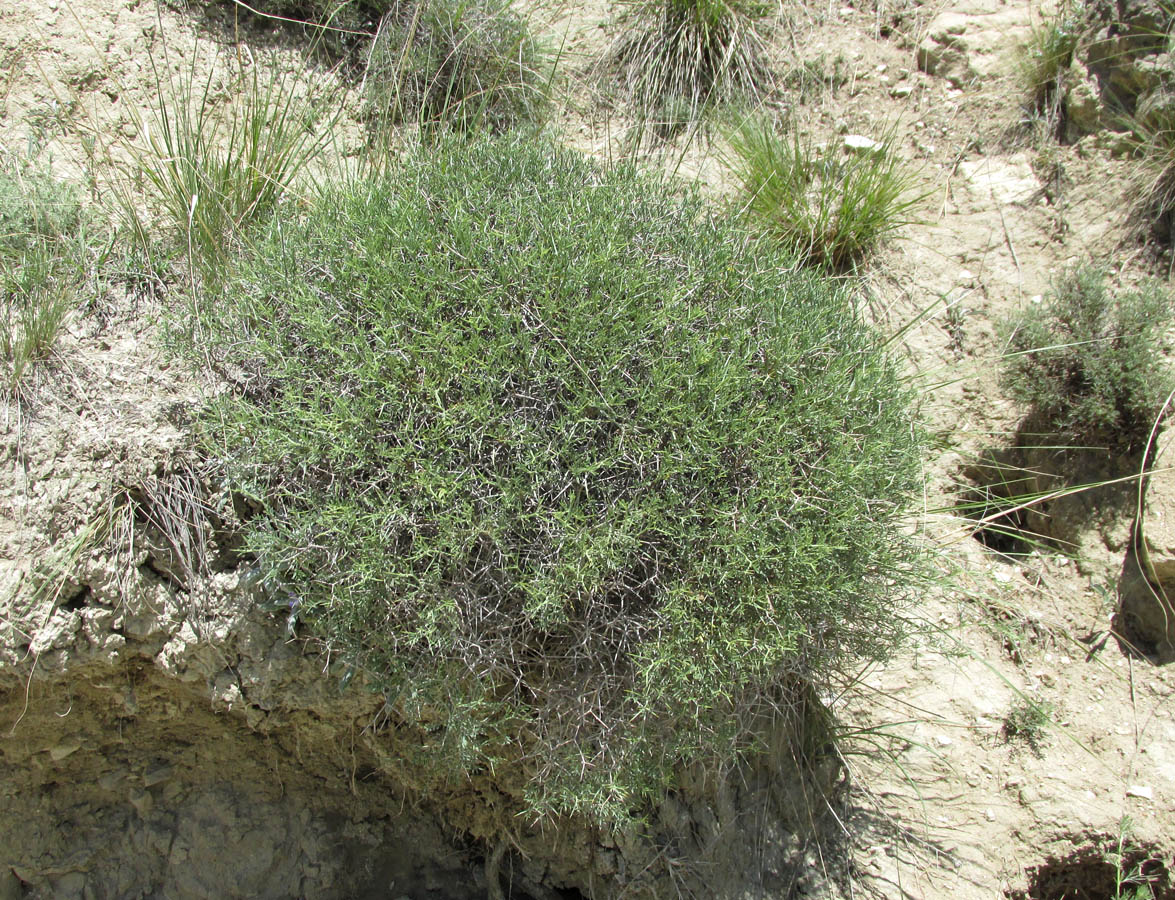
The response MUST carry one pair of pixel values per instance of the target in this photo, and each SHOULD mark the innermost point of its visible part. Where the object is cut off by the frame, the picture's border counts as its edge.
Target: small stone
(989, 814)
(111, 780)
(156, 775)
(64, 749)
(1027, 796)
(142, 801)
(863, 146)
(943, 741)
(905, 89)
(1141, 790)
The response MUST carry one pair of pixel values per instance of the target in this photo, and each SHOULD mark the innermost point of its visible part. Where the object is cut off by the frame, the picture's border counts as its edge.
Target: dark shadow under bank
(124, 781)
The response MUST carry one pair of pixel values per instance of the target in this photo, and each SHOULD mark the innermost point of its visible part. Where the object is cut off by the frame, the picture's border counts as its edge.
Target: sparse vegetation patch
(42, 248)
(1027, 723)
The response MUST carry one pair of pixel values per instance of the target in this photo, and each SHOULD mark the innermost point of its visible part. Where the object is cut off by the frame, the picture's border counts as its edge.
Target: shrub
(1090, 363)
(675, 57)
(467, 63)
(827, 206)
(42, 239)
(584, 482)
(1027, 722)
(337, 30)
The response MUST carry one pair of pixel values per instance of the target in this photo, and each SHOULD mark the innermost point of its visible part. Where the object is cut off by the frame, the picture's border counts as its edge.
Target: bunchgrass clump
(42, 244)
(462, 63)
(826, 205)
(1152, 135)
(1045, 60)
(1090, 362)
(676, 58)
(215, 168)
(586, 482)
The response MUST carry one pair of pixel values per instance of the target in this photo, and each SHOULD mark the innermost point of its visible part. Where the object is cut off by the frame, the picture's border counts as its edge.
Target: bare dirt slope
(949, 800)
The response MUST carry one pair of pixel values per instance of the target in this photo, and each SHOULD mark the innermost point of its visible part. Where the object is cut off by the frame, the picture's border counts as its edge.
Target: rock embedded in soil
(1147, 585)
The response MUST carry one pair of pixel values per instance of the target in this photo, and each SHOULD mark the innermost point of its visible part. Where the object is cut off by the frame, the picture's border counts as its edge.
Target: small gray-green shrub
(1027, 723)
(42, 244)
(677, 57)
(1089, 362)
(828, 207)
(464, 63)
(583, 480)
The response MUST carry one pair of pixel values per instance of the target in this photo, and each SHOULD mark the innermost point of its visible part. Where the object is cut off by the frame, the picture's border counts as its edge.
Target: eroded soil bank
(162, 736)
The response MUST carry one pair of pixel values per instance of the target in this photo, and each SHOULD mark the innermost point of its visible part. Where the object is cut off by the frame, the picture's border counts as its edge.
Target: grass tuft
(1044, 64)
(1152, 136)
(216, 168)
(586, 482)
(1090, 363)
(676, 58)
(827, 206)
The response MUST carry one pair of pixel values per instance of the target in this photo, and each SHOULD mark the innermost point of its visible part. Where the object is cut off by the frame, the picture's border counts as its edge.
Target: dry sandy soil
(944, 803)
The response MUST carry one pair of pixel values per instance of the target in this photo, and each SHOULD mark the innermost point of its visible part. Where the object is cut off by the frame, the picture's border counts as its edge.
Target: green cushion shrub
(579, 476)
